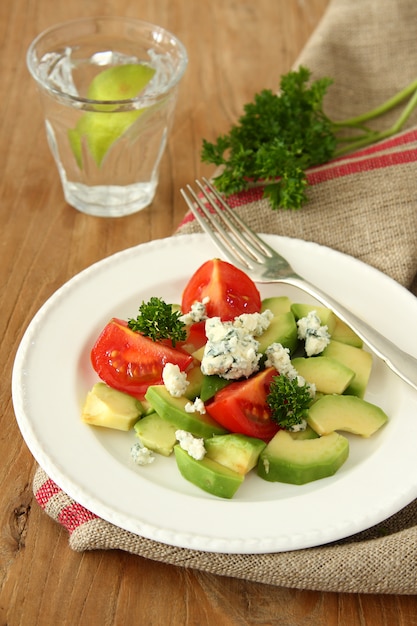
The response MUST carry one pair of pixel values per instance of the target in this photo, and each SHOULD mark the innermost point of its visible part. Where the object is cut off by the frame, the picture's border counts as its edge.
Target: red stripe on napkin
(68, 513)
(45, 492)
(74, 515)
(363, 165)
(374, 157)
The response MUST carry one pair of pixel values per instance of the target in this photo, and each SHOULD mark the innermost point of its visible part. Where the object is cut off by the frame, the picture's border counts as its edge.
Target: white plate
(52, 374)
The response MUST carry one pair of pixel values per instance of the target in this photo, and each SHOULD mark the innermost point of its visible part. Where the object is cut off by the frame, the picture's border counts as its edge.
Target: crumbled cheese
(231, 350)
(195, 407)
(315, 335)
(254, 323)
(310, 322)
(295, 428)
(198, 312)
(174, 380)
(316, 341)
(193, 445)
(141, 455)
(279, 357)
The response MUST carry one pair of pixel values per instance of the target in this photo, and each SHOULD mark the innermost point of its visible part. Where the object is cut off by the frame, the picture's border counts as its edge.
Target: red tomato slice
(130, 362)
(196, 337)
(230, 291)
(241, 407)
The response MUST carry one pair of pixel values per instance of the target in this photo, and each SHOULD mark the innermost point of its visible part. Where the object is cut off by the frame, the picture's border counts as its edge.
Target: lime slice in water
(101, 129)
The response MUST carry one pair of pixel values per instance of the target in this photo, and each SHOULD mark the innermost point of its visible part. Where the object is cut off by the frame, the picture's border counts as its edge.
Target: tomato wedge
(230, 291)
(241, 406)
(196, 337)
(130, 362)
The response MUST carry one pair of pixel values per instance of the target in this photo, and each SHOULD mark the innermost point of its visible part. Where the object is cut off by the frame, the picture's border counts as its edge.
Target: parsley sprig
(158, 321)
(288, 401)
(280, 135)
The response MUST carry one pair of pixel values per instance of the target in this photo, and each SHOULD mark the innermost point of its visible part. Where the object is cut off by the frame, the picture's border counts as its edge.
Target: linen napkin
(363, 205)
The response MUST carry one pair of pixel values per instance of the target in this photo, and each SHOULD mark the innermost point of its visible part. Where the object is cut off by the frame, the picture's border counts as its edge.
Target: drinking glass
(107, 141)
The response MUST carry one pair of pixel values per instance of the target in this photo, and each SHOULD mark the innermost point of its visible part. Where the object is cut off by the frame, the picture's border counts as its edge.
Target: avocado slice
(276, 304)
(343, 333)
(327, 317)
(211, 385)
(173, 410)
(110, 408)
(357, 360)
(195, 381)
(348, 413)
(208, 474)
(329, 375)
(307, 433)
(237, 452)
(283, 330)
(298, 461)
(156, 434)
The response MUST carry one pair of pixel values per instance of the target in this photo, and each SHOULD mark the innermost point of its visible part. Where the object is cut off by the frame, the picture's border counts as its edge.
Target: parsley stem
(379, 110)
(374, 136)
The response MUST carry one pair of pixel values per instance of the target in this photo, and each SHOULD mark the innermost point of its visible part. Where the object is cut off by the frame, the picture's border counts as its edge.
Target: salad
(229, 383)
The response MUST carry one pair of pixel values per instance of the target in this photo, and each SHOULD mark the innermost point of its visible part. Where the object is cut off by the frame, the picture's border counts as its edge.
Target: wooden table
(236, 48)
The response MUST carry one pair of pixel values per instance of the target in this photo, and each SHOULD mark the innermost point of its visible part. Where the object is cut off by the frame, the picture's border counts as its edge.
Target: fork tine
(237, 240)
(239, 228)
(233, 236)
(215, 229)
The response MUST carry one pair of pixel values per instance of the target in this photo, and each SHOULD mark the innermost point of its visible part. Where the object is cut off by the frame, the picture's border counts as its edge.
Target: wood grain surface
(235, 47)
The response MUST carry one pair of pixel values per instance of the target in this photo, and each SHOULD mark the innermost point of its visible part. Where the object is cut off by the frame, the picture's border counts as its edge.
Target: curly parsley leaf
(280, 135)
(288, 401)
(158, 321)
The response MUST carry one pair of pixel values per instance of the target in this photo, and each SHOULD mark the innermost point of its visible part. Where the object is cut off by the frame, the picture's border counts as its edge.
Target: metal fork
(250, 253)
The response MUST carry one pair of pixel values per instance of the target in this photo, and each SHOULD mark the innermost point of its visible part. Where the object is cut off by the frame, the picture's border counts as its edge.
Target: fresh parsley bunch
(288, 401)
(280, 135)
(158, 321)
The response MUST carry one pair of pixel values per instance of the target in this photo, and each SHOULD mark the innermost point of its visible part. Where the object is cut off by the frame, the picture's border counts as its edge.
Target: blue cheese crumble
(195, 407)
(198, 313)
(231, 350)
(254, 323)
(141, 455)
(174, 380)
(279, 358)
(193, 445)
(315, 335)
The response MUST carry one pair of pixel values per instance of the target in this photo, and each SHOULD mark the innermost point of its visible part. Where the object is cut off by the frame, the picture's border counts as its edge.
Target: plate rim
(176, 538)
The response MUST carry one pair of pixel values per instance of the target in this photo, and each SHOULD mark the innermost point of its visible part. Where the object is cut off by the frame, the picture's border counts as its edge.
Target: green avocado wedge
(211, 385)
(296, 461)
(277, 304)
(283, 330)
(347, 413)
(101, 128)
(156, 434)
(105, 406)
(208, 475)
(329, 375)
(357, 360)
(343, 333)
(237, 452)
(173, 410)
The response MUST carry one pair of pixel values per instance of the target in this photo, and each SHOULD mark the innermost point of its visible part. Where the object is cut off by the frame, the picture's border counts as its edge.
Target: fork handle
(400, 362)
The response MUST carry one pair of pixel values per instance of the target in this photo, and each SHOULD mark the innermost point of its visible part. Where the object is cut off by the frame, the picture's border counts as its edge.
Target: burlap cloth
(366, 206)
